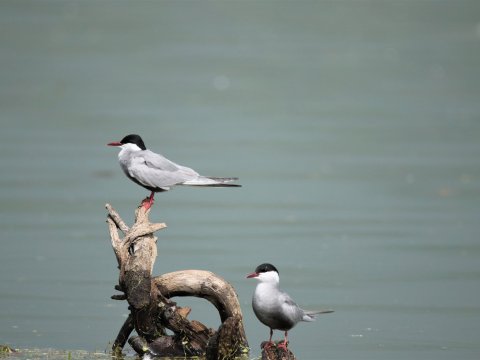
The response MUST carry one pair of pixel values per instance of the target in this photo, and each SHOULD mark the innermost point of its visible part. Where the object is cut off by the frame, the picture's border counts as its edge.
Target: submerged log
(151, 309)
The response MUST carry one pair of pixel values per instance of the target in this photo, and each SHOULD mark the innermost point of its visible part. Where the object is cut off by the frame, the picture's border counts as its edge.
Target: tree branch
(203, 284)
(117, 219)
(151, 310)
(123, 334)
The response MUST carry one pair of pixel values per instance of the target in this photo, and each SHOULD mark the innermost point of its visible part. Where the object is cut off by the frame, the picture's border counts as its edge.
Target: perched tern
(274, 307)
(155, 172)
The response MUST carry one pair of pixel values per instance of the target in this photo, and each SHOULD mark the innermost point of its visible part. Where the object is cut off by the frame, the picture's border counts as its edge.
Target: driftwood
(275, 352)
(151, 309)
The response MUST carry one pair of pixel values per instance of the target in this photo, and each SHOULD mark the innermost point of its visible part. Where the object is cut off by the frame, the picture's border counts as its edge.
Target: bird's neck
(127, 149)
(267, 285)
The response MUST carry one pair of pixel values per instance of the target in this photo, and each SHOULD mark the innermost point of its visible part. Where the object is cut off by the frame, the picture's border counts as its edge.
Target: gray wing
(290, 308)
(156, 171)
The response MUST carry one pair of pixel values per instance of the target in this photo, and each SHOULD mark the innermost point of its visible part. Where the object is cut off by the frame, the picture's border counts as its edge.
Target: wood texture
(151, 309)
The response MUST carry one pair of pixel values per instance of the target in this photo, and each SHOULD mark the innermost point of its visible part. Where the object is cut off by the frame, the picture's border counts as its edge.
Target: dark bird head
(264, 271)
(130, 139)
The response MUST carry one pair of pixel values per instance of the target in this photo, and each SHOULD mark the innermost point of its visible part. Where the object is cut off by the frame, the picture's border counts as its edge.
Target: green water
(353, 125)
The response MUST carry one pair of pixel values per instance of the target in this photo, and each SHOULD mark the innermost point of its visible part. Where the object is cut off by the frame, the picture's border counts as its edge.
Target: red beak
(115, 144)
(252, 275)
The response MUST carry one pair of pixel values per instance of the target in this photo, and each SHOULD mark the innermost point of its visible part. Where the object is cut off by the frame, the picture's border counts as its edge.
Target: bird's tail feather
(311, 315)
(212, 181)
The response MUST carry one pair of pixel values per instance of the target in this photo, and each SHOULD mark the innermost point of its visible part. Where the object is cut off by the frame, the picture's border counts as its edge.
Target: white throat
(269, 277)
(126, 148)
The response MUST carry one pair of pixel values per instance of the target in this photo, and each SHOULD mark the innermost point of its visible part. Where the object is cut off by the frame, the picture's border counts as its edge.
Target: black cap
(134, 139)
(265, 268)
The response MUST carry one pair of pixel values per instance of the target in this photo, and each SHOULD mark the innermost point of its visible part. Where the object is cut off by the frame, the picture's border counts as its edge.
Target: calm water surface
(353, 125)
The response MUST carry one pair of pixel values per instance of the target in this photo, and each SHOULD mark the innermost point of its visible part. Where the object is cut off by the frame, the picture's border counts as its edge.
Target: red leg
(270, 343)
(148, 202)
(285, 342)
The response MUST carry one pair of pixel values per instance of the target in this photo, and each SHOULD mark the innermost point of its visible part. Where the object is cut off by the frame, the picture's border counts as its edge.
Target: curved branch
(203, 284)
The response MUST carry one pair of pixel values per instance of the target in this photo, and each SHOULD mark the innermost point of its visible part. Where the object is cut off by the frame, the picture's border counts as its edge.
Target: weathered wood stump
(151, 309)
(275, 352)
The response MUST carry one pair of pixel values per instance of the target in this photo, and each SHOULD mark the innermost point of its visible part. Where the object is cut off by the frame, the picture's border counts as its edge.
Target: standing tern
(155, 172)
(274, 307)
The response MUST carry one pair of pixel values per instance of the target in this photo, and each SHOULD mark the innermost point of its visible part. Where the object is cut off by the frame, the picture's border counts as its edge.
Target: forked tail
(212, 181)
(311, 315)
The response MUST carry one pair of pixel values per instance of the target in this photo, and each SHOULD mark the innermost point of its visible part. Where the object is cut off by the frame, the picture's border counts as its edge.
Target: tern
(155, 172)
(274, 307)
